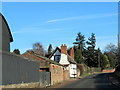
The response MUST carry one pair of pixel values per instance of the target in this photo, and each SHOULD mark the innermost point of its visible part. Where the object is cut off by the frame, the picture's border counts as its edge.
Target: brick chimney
(72, 52)
(63, 49)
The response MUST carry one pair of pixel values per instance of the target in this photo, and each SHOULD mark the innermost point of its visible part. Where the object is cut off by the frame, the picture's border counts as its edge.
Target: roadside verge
(114, 80)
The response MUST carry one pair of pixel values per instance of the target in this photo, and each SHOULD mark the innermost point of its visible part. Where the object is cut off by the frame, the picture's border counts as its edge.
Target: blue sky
(58, 23)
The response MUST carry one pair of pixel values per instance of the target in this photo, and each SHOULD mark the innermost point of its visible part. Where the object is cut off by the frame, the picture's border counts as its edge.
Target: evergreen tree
(91, 42)
(16, 51)
(91, 61)
(98, 57)
(79, 47)
(77, 55)
(50, 49)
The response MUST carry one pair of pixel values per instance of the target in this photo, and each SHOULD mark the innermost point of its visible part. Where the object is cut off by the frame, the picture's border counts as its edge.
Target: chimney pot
(72, 52)
(64, 49)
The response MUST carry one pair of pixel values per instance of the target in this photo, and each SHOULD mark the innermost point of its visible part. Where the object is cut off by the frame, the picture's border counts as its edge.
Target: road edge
(113, 80)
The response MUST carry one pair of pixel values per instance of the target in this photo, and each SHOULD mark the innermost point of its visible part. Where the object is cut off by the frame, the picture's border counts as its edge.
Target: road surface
(93, 81)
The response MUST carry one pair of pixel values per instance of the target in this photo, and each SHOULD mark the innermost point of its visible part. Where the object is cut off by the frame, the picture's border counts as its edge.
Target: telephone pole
(119, 32)
(119, 46)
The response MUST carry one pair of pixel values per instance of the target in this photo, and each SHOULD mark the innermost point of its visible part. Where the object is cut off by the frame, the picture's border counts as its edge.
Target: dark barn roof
(41, 58)
(11, 38)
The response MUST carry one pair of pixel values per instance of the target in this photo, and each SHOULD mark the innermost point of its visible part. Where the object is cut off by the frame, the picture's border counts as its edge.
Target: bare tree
(111, 51)
(112, 48)
(38, 49)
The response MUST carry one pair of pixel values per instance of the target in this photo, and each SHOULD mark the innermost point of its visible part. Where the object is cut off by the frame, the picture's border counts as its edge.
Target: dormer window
(57, 58)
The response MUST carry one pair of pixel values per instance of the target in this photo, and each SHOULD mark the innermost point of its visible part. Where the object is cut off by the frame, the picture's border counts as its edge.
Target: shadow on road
(102, 81)
(93, 82)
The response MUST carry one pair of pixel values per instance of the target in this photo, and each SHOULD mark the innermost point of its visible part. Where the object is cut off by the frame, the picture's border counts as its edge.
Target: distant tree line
(86, 53)
(39, 49)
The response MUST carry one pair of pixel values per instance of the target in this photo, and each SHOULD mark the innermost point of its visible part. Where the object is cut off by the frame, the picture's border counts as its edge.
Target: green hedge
(97, 70)
(84, 69)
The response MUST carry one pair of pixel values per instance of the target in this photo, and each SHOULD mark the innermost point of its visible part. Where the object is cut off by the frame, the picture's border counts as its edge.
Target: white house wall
(73, 70)
(64, 59)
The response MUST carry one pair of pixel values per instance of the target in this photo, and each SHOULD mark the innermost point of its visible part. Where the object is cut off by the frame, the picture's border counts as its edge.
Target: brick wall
(72, 53)
(56, 74)
(66, 74)
(111, 70)
(64, 49)
(78, 72)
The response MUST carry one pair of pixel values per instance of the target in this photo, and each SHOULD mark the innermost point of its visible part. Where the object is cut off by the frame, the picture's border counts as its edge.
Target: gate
(45, 78)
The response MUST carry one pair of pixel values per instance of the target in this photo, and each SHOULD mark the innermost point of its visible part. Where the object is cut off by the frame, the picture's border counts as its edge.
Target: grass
(88, 74)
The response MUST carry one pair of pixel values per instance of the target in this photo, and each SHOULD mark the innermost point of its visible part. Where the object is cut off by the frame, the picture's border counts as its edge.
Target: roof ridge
(54, 51)
(72, 60)
(47, 59)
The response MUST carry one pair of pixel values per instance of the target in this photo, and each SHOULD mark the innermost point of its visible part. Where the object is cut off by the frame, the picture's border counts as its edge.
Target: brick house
(61, 56)
(47, 65)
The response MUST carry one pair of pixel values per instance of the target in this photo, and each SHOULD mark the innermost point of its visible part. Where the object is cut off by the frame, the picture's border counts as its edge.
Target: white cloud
(60, 0)
(36, 30)
(95, 16)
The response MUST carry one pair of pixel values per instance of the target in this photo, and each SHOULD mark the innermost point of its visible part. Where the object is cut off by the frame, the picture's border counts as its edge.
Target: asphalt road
(93, 81)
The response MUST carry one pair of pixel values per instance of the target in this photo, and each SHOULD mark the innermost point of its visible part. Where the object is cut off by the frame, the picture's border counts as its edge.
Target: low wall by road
(108, 70)
(56, 74)
(19, 70)
(45, 78)
(16, 69)
(66, 75)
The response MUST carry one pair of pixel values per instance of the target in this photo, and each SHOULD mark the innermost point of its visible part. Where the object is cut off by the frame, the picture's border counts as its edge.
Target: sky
(58, 23)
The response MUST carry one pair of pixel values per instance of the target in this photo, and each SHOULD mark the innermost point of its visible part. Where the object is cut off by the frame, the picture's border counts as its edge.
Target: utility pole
(119, 32)
(98, 60)
(119, 46)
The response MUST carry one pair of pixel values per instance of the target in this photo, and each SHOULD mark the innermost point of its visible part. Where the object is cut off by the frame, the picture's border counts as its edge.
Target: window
(57, 58)
(65, 68)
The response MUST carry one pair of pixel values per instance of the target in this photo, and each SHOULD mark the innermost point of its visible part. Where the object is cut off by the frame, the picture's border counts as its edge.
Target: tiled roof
(47, 59)
(70, 59)
(44, 58)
